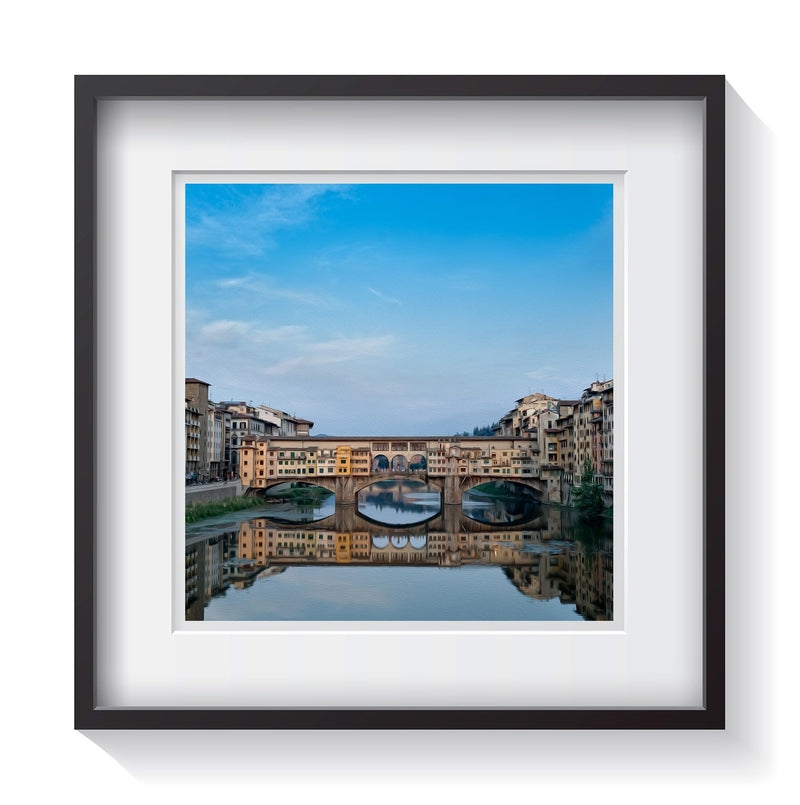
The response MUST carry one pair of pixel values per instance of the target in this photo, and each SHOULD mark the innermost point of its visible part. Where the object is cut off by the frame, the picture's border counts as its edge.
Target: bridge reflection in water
(553, 556)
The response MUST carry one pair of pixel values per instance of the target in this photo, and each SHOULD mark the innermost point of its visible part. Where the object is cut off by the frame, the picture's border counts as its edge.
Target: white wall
(755, 47)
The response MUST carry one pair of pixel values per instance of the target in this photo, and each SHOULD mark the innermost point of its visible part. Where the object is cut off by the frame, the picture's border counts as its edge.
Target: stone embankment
(206, 493)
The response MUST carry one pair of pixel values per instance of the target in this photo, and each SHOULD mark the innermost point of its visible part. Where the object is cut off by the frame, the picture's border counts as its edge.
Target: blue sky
(398, 309)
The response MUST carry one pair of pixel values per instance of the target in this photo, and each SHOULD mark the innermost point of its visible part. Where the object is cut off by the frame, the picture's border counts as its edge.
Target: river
(399, 555)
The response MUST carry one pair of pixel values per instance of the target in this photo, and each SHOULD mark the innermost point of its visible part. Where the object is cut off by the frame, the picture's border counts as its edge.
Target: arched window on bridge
(380, 464)
(399, 464)
(418, 462)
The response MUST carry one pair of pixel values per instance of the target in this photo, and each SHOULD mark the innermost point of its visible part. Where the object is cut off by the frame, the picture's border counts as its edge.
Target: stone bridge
(451, 487)
(449, 519)
(346, 465)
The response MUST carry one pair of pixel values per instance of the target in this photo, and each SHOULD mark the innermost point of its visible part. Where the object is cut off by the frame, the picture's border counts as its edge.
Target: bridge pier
(452, 490)
(344, 490)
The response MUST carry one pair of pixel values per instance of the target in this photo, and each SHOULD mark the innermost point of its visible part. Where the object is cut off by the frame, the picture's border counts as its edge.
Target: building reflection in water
(399, 502)
(553, 556)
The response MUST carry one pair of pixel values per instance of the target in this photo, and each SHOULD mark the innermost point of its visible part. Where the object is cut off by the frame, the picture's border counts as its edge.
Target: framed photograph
(399, 402)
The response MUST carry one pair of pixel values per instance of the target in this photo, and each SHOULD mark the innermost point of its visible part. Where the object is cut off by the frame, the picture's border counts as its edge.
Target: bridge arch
(399, 463)
(362, 483)
(417, 462)
(324, 483)
(536, 485)
(380, 463)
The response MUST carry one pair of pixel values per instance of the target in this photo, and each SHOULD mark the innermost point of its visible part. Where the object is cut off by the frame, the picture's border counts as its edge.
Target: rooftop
(535, 396)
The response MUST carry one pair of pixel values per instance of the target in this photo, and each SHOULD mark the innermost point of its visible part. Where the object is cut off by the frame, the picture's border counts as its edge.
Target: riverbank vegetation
(301, 495)
(587, 496)
(200, 511)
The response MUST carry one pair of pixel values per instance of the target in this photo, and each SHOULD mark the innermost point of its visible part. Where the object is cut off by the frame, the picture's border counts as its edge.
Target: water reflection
(553, 566)
(317, 506)
(499, 506)
(399, 502)
(502, 514)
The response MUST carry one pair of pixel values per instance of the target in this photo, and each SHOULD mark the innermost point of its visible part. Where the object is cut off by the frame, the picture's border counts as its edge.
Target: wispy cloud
(228, 333)
(542, 373)
(325, 353)
(385, 298)
(242, 222)
(266, 287)
(234, 282)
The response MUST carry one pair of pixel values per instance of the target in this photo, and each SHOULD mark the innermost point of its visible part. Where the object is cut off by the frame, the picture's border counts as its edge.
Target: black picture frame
(90, 89)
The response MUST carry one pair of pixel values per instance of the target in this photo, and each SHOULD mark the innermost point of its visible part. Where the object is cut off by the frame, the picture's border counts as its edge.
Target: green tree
(588, 495)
